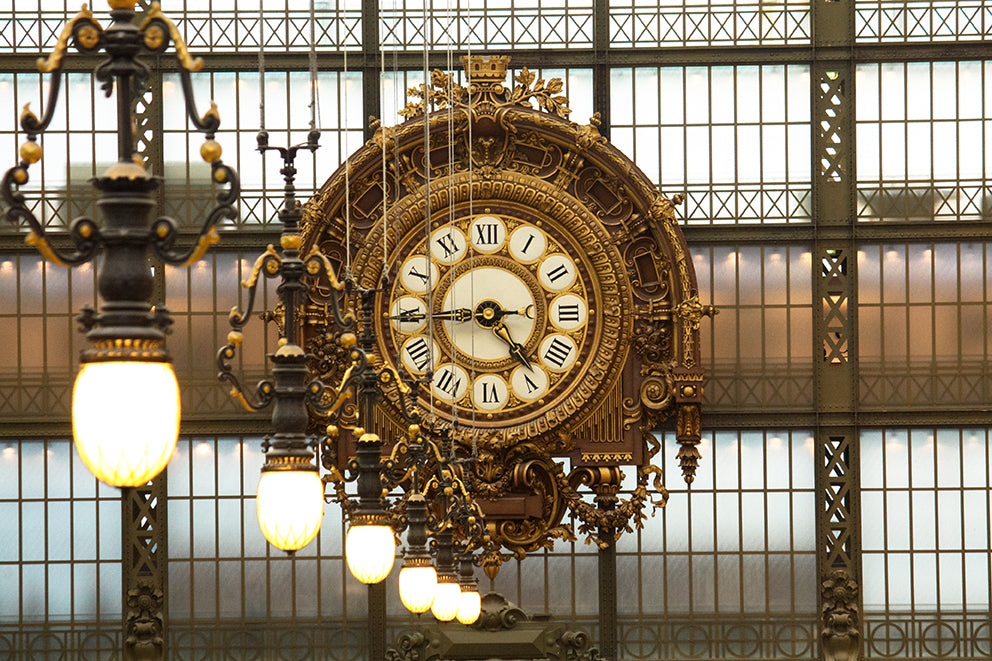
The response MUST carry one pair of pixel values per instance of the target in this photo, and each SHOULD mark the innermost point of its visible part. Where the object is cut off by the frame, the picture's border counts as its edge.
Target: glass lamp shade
(417, 587)
(469, 606)
(446, 601)
(125, 419)
(290, 507)
(370, 550)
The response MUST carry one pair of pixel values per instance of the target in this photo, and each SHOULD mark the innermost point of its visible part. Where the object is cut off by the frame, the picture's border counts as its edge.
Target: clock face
(494, 313)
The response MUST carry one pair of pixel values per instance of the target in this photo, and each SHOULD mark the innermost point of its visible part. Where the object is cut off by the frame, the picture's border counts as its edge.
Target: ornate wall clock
(537, 286)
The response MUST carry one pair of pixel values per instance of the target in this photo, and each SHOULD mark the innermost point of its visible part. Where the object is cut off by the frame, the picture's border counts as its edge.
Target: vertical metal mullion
(371, 85)
(834, 195)
(912, 528)
(601, 69)
(216, 480)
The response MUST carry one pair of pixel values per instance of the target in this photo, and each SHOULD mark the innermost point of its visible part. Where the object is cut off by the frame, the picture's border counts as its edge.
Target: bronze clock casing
(639, 366)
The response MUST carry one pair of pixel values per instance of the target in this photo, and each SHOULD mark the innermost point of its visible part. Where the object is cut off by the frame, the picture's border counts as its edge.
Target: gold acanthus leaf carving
(442, 92)
(540, 91)
(588, 135)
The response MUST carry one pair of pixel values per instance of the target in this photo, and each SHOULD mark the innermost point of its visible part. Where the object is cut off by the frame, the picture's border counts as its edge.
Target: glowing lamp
(418, 584)
(290, 505)
(125, 419)
(446, 599)
(469, 606)
(370, 550)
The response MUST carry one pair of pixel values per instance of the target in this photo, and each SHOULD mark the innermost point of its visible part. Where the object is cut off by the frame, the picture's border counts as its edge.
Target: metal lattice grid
(676, 23)
(924, 149)
(39, 335)
(189, 191)
(221, 26)
(405, 24)
(735, 139)
(926, 541)
(914, 20)
(757, 348)
(923, 323)
(60, 560)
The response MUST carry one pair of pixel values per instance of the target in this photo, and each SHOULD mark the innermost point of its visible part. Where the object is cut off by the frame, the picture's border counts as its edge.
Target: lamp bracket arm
(339, 494)
(158, 29)
(272, 263)
(29, 121)
(264, 392)
(315, 399)
(317, 264)
(85, 234)
(404, 391)
(87, 35)
(165, 230)
(210, 121)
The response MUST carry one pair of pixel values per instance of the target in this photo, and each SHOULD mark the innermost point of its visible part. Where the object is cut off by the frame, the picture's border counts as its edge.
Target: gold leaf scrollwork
(657, 392)
(540, 91)
(54, 60)
(269, 254)
(188, 62)
(691, 311)
(442, 91)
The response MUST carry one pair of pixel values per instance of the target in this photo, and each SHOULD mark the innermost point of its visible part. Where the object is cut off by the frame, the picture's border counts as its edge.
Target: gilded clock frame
(526, 155)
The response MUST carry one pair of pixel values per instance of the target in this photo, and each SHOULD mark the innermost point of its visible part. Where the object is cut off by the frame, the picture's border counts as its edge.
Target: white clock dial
(568, 312)
(490, 392)
(557, 273)
(448, 245)
(419, 354)
(529, 384)
(450, 382)
(527, 244)
(489, 284)
(418, 274)
(558, 352)
(488, 234)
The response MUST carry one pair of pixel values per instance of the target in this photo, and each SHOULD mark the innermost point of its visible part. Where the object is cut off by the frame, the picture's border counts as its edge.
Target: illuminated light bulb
(370, 550)
(125, 419)
(469, 606)
(290, 506)
(446, 599)
(418, 584)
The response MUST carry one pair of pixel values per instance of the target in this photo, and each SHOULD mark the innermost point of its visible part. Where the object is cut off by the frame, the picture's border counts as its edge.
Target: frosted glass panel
(922, 526)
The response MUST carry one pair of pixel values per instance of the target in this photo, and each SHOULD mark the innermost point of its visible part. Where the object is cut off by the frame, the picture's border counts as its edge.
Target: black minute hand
(461, 314)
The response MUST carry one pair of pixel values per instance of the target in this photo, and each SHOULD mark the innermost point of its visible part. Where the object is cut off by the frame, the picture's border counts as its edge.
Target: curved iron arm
(351, 379)
(165, 230)
(128, 73)
(84, 232)
(269, 262)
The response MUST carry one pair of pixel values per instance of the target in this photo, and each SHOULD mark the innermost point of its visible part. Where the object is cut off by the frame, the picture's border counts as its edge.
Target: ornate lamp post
(125, 403)
(290, 497)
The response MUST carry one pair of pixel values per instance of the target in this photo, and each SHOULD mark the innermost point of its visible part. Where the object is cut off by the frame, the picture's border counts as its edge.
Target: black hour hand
(516, 350)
